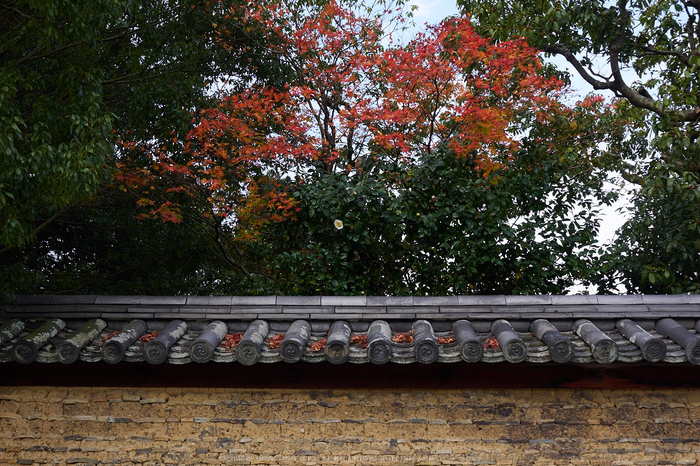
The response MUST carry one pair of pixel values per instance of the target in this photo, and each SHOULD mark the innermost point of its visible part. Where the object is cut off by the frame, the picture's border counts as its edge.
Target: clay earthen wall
(348, 427)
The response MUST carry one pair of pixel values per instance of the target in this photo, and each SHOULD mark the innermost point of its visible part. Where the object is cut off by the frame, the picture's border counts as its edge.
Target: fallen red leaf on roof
(446, 340)
(276, 341)
(491, 343)
(231, 340)
(319, 345)
(402, 338)
(108, 337)
(148, 337)
(359, 340)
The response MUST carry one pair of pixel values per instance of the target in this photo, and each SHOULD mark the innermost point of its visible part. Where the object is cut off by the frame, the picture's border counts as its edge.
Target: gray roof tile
(365, 309)
(209, 300)
(462, 309)
(388, 317)
(574, 299)
(603, 310)
(390, 300)
(280, 316)
(674, 308)
(528, 300)
(343, 300)
(128, 316)
(346, 316)
(163, 300)
(30, 299)
(436, 300)
(400, 312)
(298, 300)
(556, 308)
(118, 300)
(432, 316)
(621, 299)
(307, 309)
(411, 309)
(210, 309)
(513, 309)
(73, 299)
(254, 309)
(475, 300)
(226, 317)
(666, 299)
(254, 300)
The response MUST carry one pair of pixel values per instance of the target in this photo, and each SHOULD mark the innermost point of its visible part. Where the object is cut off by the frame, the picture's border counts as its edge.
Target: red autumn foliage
(402, 338)
(148, 337)
(491, 343)
(355, 103)
(446, 340)
(275, 342)
(319, 345)
(231, 340)
(355, 98)
(110, 336)
(360, 340)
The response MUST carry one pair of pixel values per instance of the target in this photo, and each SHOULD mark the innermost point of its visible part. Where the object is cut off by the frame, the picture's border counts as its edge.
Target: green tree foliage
(75, 77)
(438, 225)
(650, 58)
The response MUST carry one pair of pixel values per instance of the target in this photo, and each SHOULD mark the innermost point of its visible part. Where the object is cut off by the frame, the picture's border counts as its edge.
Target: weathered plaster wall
(348, 427)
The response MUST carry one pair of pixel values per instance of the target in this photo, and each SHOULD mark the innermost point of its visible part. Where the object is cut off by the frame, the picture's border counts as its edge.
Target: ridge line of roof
(360, 301)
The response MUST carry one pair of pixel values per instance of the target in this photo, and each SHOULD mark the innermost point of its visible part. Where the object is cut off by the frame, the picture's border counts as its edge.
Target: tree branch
(617, 84)
(672, 53)
(42, 226)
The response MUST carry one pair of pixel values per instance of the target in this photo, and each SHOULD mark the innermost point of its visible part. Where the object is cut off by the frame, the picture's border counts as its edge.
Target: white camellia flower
(338, 224)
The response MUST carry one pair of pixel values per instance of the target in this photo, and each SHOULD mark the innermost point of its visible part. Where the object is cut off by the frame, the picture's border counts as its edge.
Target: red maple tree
(355, 98)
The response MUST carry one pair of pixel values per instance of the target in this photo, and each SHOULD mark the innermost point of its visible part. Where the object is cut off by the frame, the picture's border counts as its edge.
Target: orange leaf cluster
(148, 337)
(110, 336)
(231, 340)
(275, 342)
(359, 340)
(402, 338)
(491, 343)
(354, 98)
(319, 345)
(446, 340)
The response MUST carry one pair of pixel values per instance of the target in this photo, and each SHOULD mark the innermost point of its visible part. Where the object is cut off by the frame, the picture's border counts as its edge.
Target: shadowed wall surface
(82, 425)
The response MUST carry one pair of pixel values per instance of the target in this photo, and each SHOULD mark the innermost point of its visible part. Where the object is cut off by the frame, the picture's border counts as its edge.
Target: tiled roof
(354, 329)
